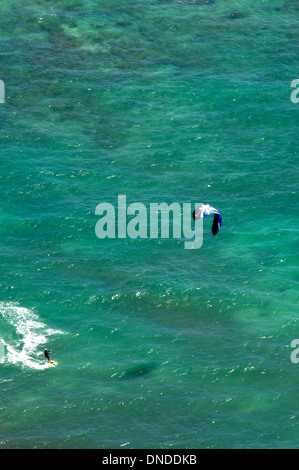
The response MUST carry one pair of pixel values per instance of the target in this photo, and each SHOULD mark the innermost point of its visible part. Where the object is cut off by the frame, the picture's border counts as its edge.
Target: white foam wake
(22, 345)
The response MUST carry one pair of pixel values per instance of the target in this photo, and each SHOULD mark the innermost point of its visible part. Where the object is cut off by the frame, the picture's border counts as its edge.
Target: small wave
(23, 347)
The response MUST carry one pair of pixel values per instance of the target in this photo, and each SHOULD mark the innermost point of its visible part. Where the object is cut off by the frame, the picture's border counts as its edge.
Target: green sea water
(157, 346)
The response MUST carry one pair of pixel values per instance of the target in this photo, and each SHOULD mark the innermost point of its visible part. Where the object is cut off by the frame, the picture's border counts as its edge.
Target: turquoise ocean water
(157, 346)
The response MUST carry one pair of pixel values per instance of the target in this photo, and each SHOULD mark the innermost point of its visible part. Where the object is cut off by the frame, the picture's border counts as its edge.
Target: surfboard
(54, 363)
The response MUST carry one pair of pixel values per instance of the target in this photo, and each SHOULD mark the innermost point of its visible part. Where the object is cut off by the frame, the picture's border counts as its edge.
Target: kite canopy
(205, 209)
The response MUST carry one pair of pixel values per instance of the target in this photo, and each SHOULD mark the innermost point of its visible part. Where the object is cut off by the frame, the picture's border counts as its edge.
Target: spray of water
(24, 343)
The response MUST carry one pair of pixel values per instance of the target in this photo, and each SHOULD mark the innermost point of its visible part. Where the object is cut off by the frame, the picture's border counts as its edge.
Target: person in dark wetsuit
(47, 355)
